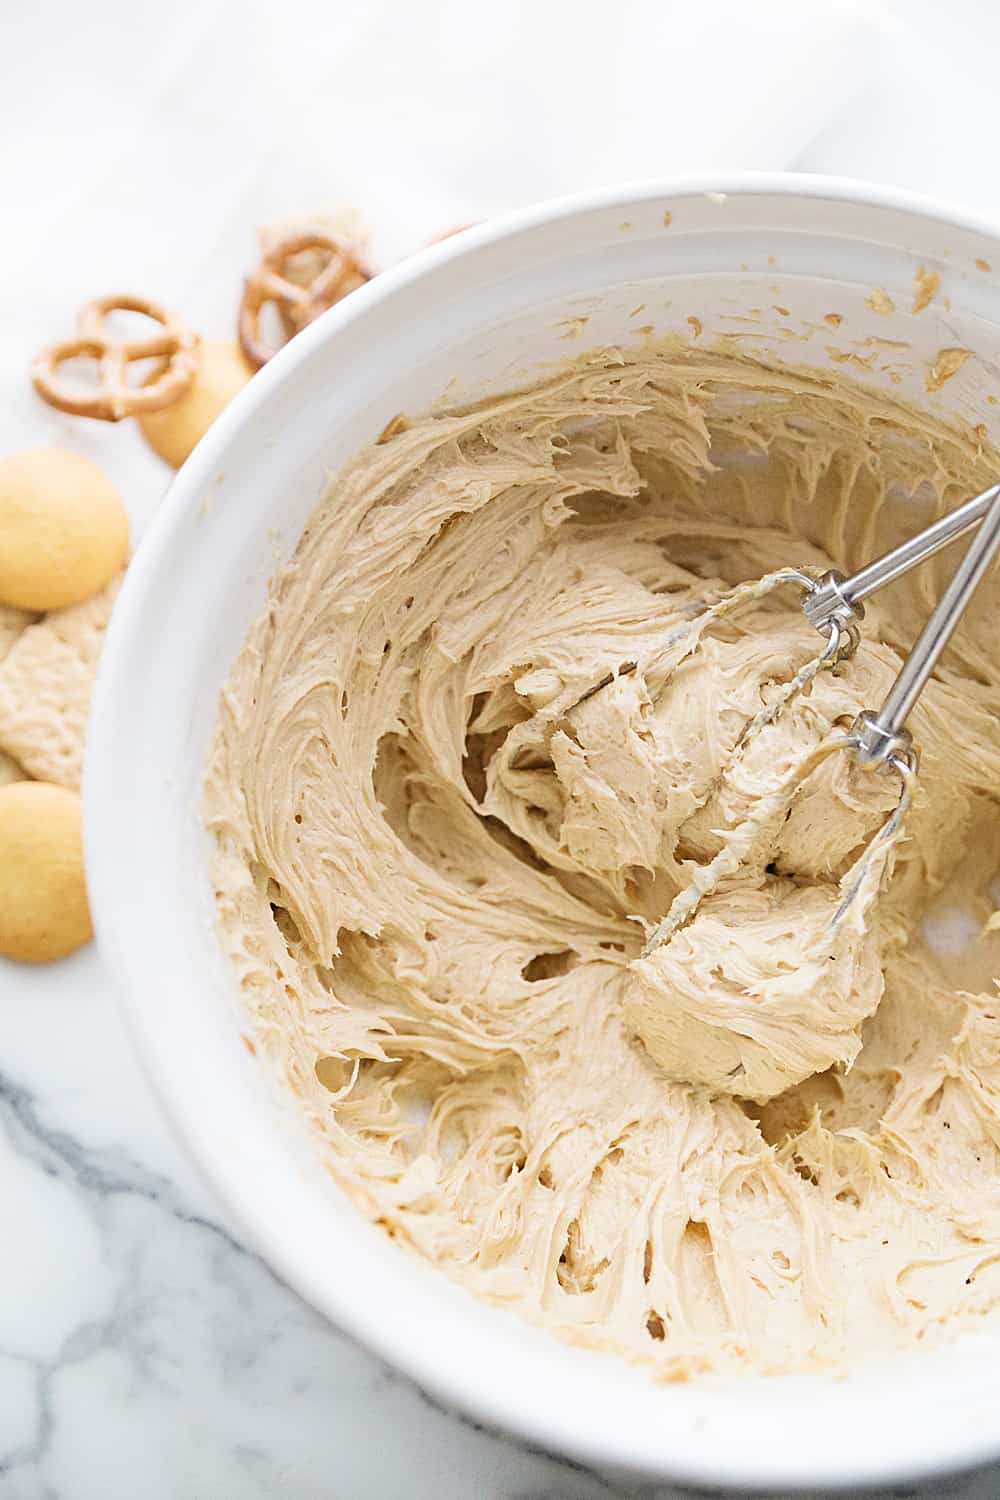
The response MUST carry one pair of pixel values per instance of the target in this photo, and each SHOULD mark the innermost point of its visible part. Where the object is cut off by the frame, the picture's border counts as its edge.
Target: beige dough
(753, 996)
(444, 818)
(63, 529)
(43, 898)
(222, 373)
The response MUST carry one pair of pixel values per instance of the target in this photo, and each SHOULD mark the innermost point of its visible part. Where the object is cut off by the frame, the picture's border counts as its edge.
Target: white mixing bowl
(766, 258)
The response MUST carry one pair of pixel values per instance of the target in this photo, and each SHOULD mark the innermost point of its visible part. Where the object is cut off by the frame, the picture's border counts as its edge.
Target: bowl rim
(184, 493)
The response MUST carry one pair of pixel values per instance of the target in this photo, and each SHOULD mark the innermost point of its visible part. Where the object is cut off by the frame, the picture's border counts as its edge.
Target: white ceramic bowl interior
(764, 258)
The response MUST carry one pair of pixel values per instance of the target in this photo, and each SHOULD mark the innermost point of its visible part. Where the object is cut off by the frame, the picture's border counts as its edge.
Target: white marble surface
(144, 1352)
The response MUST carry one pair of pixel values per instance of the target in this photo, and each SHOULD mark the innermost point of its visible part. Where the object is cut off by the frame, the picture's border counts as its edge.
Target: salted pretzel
(447, 234)
(112, 398)
(297, 302)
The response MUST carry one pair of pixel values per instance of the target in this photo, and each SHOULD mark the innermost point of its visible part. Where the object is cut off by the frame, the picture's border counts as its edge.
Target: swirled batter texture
(460, 772)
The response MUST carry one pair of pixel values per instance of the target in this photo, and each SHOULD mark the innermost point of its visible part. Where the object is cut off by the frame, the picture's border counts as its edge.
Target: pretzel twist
(297, 302)
(447, 234)
(113, 398)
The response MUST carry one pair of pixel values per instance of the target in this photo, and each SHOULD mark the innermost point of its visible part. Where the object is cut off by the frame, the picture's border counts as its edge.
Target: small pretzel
(446, 234)
(112, 398)
(297, 304)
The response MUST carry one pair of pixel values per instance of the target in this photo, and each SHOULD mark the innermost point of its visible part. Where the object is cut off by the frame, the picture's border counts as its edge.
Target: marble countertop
(144, 1351)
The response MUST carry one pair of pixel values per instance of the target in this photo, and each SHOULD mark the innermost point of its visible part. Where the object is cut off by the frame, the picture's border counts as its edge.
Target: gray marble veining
(145, 1352)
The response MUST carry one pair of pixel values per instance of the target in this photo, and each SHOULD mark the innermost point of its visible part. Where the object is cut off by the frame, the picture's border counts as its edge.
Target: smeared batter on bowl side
(440, 797)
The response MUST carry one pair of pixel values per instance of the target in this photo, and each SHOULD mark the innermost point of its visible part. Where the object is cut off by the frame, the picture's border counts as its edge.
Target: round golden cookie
(222, 372)
(63, 529)
(43, 898)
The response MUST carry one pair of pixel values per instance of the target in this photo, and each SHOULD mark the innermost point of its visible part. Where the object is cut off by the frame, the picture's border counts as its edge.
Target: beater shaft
(835, 596)
(876, 737)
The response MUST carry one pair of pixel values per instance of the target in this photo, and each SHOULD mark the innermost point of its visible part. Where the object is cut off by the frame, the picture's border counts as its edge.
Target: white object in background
(933, 84)
(151, 167)
(456, 112)
(423, 114)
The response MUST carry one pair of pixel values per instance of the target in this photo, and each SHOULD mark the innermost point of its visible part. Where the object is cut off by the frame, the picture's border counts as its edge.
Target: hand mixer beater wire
(877, 739)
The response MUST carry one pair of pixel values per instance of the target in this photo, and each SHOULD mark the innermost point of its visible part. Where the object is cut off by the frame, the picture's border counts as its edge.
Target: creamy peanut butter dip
(462, 768)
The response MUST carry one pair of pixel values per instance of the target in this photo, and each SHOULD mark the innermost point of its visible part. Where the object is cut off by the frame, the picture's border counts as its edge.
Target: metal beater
(877, 739)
